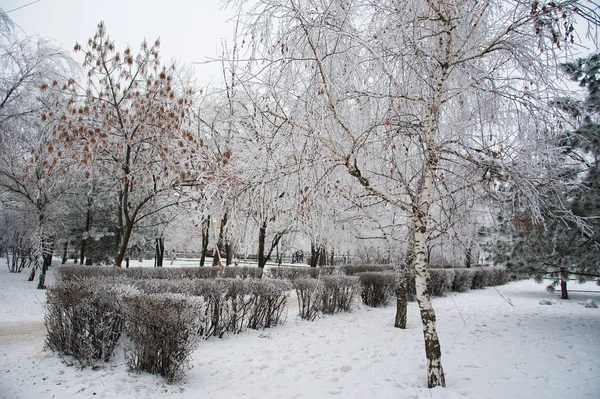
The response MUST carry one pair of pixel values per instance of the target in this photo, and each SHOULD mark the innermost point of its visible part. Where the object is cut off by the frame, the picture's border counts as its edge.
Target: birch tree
(421, 100)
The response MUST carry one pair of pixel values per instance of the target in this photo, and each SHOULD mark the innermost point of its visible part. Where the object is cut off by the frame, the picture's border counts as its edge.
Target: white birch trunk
(435, 372)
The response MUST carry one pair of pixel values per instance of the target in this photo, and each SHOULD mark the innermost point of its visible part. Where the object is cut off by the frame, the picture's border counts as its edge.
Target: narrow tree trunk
(322, 256)
(433, 353)
(401, 306)
(564, 294)
(262, 233)
(65, 252)
(402, 289)
(160, 252)
(229, 253)
(123, 244)
(217, 256)
(314, 255)
(88, 224)
(46, 262)
(331, 258)
(205, 236)
(468, 256)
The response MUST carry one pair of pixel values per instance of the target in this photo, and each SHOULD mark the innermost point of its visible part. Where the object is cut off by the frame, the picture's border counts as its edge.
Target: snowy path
(492, 349)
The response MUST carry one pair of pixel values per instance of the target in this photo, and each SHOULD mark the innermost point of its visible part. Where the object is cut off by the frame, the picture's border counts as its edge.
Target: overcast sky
(191, 30)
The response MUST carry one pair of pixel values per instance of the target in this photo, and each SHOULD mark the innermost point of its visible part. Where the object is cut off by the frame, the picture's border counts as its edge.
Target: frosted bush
(463, 278)
(440, 281)
(163, 331)
(84, 319)
(309, 293)
(339, 293)
(377, 289)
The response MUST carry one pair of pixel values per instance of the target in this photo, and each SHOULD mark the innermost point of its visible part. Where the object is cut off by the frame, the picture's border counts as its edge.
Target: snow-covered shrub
(440, 281)
(214, 292)
(242, 272)
(81, 272)
(293, 273)
(164, 286)
(339, 293)
(377, 288)
(163, 331)
(309, 292)
(480, 278)
(497, 276)
(270, 300)
(239, 304)
(351, 270)
(84, 319)
(463, 278)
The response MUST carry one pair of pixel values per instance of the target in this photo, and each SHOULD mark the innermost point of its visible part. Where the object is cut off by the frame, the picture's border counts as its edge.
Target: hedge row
(86, 318)
(77, 272)
(442, 281)
(328, 295)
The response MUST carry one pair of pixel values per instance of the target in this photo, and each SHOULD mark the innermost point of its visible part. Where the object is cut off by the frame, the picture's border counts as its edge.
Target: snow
(496, 343)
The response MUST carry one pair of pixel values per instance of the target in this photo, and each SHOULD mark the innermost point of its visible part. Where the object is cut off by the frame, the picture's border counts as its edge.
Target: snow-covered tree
(30, 182)
(555, 247)
(419, 101)
(131, 122)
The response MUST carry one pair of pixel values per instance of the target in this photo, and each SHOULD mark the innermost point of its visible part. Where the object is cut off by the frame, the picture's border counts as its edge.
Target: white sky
(191, 30)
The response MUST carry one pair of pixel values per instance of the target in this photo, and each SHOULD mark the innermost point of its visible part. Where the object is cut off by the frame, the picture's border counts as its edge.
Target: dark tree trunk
(262, 233)
(160, 252)
(564, 294)
(205, 236)
(123, 244)
(322, 256)
(229, 253)
(401, 300)
(65, 252)
(314, 255)
(88, 225)
(401, 307)
(46, 262)
(220, 245)
(469, 257)
(331, 258)
(32, 274)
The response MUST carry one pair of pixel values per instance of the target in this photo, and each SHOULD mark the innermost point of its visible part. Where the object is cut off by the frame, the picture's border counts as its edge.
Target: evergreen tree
(562, 247)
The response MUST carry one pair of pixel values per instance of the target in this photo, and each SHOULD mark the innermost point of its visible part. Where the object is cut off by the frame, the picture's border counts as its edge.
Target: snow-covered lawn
(496, 343)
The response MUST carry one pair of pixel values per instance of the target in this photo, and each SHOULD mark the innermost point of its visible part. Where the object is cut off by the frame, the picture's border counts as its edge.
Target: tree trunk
(217, 256)
(205, 237)
(469, 256)
(65, 252)
(322, 256)
(433, 353)
(262, 233)
(402, 289)
(123, 244)
(401, 307)
(331, 257)
(160, 252)
(564, 294)
(314, 255)
(46, 262)
(88, 225)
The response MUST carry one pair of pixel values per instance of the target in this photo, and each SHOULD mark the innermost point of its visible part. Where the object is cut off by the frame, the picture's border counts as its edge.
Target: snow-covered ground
(496, 343)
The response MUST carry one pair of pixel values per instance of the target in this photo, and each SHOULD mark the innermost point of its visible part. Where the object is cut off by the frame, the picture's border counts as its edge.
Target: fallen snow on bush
(496, 343)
